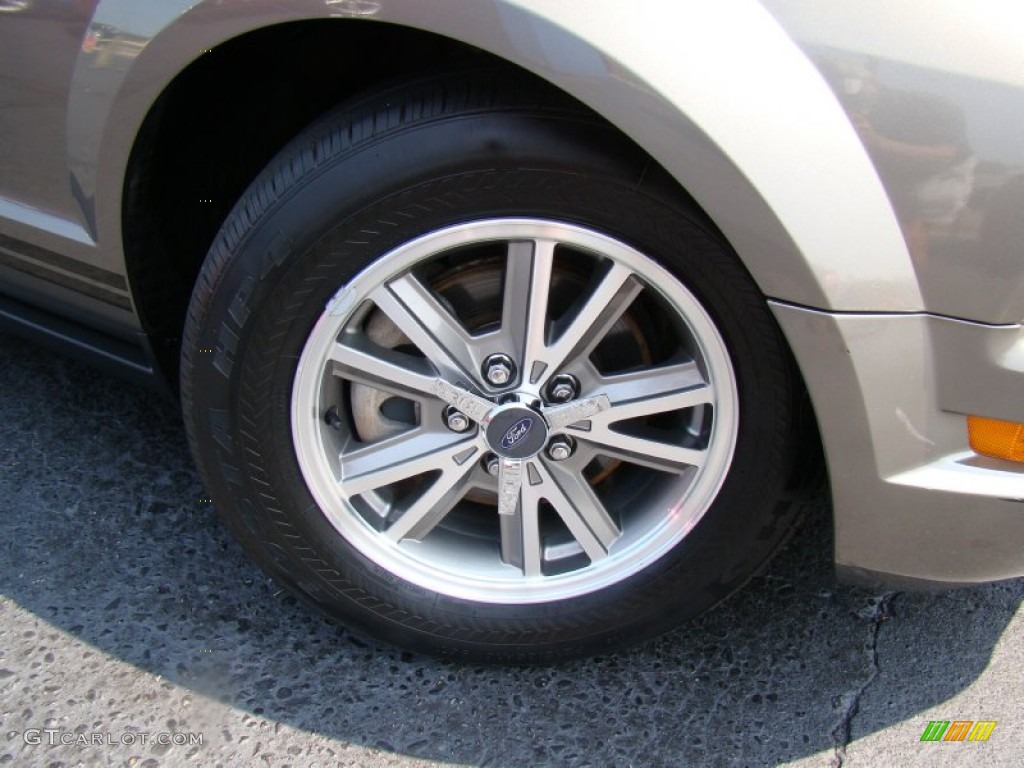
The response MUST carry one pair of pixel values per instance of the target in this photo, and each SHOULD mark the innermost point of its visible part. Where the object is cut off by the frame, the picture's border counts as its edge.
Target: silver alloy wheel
(652, 428)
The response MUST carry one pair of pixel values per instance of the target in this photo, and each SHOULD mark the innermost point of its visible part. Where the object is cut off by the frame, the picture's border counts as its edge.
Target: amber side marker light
(1001, 439)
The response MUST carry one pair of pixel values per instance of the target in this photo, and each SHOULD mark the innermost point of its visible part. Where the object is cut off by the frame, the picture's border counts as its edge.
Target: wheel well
(221, 120)
(224, 118)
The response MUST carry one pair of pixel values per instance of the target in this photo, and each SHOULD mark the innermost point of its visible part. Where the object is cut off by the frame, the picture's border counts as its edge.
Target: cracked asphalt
(130, 621)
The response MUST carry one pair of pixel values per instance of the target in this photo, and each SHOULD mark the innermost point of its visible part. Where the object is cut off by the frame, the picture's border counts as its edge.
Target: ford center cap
(515, 431)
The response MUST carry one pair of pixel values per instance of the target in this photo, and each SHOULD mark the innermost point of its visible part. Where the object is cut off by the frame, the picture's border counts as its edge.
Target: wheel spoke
(428, 325)
(642, 450)
(510, 483)
(527, 285)
(579, 334)
(668, 388)
(399, 458)
(517, 510)
(520, 533)
(562, 416)
(580, 509)
(357, 360)
(430, 508)
(474, 406)
(640, 393)
(401, 374)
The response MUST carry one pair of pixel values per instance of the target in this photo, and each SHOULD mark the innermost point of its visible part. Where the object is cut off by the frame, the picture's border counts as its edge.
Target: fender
(716, 92)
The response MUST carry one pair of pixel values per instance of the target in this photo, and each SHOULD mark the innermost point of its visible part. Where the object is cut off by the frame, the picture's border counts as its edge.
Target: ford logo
(516, 433)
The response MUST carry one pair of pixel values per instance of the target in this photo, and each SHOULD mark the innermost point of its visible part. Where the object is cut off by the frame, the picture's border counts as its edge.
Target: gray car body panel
(910, 497)
(602, 55)
(751, 107)
(936, 90)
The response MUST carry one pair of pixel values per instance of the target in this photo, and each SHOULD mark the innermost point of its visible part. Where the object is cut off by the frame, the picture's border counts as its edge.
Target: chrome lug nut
(563, 388)
(499, 370)
(456, 420)
(561, 393)
(499, 374)
(492, 464)
(560, 449)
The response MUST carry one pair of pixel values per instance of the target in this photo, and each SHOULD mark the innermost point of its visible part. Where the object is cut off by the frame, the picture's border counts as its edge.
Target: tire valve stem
(333, 419)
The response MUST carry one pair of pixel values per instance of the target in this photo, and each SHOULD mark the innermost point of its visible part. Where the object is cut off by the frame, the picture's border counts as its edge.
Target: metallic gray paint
(605, 56)
(910, 498)
(38, 48)
(602, 55)
(939, 106)
(979, 368)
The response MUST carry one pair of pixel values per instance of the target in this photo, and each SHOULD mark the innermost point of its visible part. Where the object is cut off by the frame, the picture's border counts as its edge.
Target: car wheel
(465, 370)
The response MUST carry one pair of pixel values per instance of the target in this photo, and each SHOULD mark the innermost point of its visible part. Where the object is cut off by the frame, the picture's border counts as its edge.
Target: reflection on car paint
(956, 186)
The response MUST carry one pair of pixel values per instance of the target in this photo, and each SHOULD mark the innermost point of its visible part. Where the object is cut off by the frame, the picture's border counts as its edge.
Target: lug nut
(499, 374)
(561, 393)
(456, 420)
(499, 370)
(563, 388)
(560, 449)
(492, 464)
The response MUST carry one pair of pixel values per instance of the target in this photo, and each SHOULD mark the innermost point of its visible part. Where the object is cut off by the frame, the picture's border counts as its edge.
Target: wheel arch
(809, 218)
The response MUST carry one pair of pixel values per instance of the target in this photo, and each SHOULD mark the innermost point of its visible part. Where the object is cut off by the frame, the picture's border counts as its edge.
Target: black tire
(374, 175)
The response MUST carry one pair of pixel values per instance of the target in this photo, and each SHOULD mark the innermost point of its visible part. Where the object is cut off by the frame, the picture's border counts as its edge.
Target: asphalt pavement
(133, 631)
